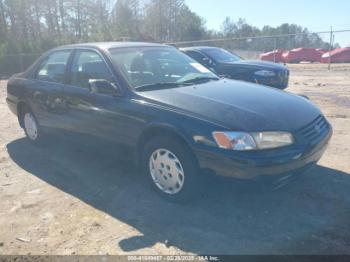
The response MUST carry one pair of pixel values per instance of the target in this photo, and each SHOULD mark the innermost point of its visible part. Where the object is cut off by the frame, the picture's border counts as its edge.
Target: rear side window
(53, 68)
(86, 66)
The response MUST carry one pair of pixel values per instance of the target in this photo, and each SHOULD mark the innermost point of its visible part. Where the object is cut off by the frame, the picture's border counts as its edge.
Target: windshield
(158, 67)
(221, 55)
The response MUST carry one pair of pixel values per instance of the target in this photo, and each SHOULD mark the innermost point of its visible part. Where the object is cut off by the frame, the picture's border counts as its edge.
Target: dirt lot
(68, 199)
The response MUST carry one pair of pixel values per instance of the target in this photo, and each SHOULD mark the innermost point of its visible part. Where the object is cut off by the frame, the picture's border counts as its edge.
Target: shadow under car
(310, 216)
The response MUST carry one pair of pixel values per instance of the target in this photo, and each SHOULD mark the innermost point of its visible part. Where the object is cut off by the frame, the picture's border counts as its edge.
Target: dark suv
(176, 116)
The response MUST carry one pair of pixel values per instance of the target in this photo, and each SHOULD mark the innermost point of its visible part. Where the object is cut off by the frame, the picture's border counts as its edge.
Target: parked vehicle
(229, 65)
(177, 117)
(275, 56)
(302, 55)
(339, 55)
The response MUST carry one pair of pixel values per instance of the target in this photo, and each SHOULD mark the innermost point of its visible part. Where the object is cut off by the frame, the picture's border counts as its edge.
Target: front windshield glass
(221, 55)
(158, 66)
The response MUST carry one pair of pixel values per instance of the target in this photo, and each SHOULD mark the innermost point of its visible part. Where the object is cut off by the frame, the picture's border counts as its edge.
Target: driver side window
(88, 65)
(199, 58)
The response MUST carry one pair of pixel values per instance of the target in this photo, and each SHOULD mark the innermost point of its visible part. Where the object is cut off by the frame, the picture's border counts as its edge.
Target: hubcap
(30, 126)
(166, 171)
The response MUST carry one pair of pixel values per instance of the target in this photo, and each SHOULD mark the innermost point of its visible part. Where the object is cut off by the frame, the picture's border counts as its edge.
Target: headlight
(242, 141)
(265, 73)
(266, 140)
(235, 140)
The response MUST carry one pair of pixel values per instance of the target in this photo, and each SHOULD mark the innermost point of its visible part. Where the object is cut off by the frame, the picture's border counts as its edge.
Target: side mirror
(102, 86)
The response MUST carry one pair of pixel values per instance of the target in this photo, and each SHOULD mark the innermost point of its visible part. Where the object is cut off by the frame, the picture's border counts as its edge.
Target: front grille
(314, 131)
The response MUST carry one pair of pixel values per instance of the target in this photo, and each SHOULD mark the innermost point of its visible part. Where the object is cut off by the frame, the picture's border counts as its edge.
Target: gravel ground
(69, 199)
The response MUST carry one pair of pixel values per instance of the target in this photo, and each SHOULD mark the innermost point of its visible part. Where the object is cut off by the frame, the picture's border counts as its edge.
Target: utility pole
(275, 50)
(331, 39)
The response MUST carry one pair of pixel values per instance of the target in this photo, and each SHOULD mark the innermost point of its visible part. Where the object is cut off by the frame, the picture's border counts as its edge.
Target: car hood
(256, 64)
(238, 105)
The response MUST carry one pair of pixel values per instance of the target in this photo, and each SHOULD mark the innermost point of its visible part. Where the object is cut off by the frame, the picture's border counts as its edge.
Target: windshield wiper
(200, 79)
(163, 85)
(160, 85)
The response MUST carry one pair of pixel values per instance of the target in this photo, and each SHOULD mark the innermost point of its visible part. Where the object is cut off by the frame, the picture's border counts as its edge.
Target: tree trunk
(3, 22)
(62, 18)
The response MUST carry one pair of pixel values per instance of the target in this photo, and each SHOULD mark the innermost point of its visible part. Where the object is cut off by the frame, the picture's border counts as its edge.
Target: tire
(31, 127)
(174, 162)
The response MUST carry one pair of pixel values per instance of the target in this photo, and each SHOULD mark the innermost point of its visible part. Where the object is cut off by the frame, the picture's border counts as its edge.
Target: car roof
(198, 48)
(109, 45)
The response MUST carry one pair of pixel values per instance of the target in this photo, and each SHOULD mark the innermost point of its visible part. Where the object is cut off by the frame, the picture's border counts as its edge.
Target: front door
(89, 112)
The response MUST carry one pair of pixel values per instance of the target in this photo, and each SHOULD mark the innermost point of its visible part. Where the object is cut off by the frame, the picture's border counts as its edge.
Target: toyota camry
(178, 118)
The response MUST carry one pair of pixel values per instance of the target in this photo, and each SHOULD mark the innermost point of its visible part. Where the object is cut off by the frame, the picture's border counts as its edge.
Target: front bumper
(280, 81)
(273, 82)
(250, 165)
(12, 105)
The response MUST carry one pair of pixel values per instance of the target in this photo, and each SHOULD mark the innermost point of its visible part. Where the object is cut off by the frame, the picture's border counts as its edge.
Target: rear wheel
(171, 169)
(31, 127)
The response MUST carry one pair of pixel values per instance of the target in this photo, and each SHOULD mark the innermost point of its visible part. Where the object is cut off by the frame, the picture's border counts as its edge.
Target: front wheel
(171, 169)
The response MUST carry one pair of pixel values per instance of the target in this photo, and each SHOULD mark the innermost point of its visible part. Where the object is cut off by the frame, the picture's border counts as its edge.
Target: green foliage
(292, 36)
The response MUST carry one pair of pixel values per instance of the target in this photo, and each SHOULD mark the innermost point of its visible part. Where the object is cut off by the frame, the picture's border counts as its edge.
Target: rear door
(46, 89)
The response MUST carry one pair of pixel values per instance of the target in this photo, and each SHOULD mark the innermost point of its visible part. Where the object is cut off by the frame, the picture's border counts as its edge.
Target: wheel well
(20, 109)
(156, 132)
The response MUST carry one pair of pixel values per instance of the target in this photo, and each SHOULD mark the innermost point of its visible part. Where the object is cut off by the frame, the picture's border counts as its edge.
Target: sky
(317, 15)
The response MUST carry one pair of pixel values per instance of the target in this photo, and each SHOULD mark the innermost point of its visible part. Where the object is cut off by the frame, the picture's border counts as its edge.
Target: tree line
(33, 26)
